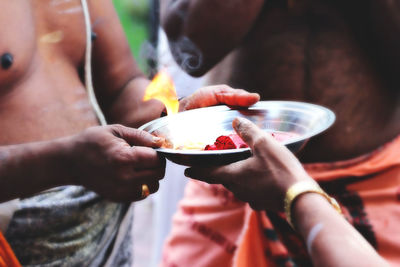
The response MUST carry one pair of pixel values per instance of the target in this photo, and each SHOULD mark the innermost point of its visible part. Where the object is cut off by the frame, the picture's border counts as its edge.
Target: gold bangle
(300, 188)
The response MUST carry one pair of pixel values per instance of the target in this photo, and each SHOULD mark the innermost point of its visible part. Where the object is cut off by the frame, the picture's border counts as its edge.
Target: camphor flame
(162, 88)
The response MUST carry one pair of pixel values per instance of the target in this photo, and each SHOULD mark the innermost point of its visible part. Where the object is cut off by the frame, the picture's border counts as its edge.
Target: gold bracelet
(300, 188)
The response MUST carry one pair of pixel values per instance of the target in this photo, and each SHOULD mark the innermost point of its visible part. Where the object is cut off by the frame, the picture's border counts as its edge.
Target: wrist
(311, 214)
(59, 163)
(30, 168)
(298, 191)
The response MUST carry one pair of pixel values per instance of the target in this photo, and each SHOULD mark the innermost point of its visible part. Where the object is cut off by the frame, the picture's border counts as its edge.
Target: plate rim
(331, 118)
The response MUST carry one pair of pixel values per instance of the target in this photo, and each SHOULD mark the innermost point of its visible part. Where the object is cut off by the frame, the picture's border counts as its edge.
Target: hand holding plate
(216, 95)
(117, 162)
(262, 179)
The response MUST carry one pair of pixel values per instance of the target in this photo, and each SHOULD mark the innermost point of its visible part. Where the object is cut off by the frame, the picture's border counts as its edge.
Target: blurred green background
(134, 16)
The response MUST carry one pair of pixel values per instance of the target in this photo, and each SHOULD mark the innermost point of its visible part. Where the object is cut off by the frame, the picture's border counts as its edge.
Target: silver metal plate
(204, 125)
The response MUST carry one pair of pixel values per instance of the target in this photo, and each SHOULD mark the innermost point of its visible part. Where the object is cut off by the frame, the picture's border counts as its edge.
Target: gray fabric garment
(64, 226)
(122, 255)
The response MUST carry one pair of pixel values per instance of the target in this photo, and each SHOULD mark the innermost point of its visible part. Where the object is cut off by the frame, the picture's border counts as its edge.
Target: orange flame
(162, 88)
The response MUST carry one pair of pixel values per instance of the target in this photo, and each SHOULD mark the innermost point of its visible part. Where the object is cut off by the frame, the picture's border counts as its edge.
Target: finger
(149, 175)
(136, 137)
(237, 98)
(234, 177)
(239, 191)
(146, 158)
(218, 175)
(249, 132)
(136, 192)
(245, 194)
(219, 94)
(204, 174)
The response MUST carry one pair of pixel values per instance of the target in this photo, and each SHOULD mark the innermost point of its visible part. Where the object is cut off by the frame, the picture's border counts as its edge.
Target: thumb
(137, 137)
(248, 131)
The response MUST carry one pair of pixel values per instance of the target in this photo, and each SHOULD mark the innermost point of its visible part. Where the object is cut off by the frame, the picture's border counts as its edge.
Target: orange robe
(212, 228)
(7, 257)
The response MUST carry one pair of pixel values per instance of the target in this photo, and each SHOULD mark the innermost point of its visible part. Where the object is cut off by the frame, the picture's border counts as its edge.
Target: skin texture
(340, 54)
(195, 53)
(257, 170)
(100, 158)
(212, 95)
(270, 172)
(49, 131)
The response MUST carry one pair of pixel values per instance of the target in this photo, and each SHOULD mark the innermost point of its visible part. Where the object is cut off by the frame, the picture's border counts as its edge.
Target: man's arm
(30, 168)
(202, 32)
(118, 81)
(263, 180)
(113, 161)
(330, 239)
(120, 85)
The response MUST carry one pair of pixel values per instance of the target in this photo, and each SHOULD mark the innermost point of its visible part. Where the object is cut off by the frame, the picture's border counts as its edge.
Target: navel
(7, 60)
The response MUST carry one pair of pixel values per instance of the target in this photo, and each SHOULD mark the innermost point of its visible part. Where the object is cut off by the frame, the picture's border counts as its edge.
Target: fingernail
(187, 172)
(237, 121)
(158, 140)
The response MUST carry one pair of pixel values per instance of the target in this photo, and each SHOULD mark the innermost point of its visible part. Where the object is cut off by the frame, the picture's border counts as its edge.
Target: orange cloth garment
(210, 220)
(204, 229)
(7, 257)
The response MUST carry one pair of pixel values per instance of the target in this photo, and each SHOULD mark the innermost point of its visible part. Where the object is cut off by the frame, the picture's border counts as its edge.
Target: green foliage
(133, 15)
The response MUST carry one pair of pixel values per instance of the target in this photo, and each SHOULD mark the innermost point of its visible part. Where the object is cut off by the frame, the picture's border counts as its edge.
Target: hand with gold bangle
(273, 179)
(303, 187)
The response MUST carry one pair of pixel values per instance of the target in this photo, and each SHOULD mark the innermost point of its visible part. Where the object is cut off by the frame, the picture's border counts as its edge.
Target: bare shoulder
(107, 28)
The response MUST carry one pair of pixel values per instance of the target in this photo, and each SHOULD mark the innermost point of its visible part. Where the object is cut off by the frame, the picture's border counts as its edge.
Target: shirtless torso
(342, 54)
(42, 93)
(339, 54)
(42, 98)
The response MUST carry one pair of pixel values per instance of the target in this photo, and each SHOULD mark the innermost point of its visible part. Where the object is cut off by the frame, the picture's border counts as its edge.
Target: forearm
(130, 109)
(330, 239)
(29, 168)
(202, 32)
(118, 81)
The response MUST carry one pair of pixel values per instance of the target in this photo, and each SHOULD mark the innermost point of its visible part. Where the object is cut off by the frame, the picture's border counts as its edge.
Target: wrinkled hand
(115, 161)
(218, 94)
(261, 180)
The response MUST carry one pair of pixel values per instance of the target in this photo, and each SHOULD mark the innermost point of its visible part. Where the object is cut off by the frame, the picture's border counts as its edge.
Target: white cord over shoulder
(88, 65)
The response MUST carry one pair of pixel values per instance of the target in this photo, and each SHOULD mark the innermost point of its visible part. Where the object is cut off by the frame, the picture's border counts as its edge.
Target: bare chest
(316, 56)
(46, 29)
(41, 93)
